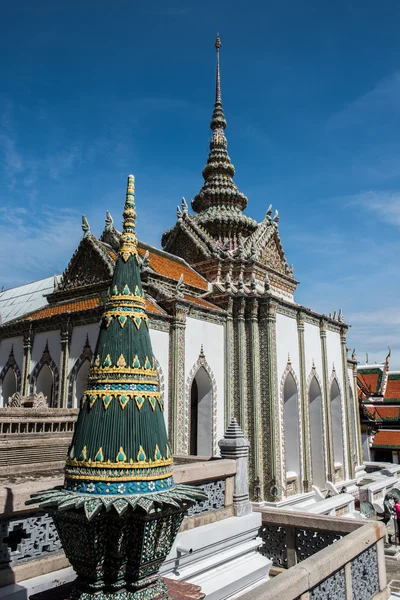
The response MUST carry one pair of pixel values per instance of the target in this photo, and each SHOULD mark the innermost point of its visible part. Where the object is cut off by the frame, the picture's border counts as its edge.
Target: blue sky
(93, 90)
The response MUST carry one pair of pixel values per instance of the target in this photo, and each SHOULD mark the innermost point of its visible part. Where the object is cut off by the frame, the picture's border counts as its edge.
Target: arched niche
(337, 428)
(201, 414)
(317, 435)
(80, 384)
(45, 384)
(45, 380)
(291, 426)
(78, 376)
(10, 379)
(8, 386)
(353, 424)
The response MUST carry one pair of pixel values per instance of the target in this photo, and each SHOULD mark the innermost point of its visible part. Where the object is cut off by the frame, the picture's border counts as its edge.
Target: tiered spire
(219, 203)
(120, 460)
(120, 444)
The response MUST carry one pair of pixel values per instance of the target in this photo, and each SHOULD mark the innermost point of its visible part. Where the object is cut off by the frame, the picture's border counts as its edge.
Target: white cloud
(385, 205)
(35, 244)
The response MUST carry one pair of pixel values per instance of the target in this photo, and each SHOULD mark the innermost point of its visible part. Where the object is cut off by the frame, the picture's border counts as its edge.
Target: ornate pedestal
(118, 556)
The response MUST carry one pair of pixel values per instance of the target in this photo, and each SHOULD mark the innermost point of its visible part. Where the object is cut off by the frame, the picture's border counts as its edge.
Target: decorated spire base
(119, 511)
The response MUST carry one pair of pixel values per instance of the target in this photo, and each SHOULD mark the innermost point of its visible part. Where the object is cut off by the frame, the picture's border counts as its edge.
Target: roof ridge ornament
(109, 220)
(85, 226)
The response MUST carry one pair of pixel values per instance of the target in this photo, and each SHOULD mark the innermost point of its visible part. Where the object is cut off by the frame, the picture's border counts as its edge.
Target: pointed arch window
(45, 378)
(316, 430)
(337, 428)
(10, 379)
(77, 383)
(201, 393)
(291, 425)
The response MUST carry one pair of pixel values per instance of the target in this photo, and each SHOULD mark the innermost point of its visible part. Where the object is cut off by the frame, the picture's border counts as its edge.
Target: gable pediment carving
(272, 256)
(188, 248)
(88, 266)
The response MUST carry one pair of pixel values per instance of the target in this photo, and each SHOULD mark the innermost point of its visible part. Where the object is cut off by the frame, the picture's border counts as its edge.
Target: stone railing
(340, 559)
(34, 439)
(376, 491)
(290, 537)
(29, 543)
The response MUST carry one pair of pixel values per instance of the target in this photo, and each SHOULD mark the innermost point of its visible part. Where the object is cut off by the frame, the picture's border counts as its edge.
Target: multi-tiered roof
(219, 204)
(220, 240)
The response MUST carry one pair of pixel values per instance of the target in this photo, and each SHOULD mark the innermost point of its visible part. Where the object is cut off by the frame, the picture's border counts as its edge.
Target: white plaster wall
(39, 344)
(286, 344)
(5, 348)
(351, 377)
(160, 345)
(78, 340)
(211, 335)
(312, 346)
(334, 356)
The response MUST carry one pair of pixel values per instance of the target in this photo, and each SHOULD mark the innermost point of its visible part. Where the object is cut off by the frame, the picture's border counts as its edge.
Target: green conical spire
(120, 445)
(219, 203)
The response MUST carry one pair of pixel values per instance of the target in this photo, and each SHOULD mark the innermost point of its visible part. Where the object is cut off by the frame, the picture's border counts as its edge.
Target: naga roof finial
(85, 226)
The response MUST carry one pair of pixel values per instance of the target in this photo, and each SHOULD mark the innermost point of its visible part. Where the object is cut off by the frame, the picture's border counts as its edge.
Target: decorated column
(348, 433)
(229, 359)
(120, 510)
(242, 362)
(66, 331)
(178, 409)
(305, 412)
(258, 479)
(26, 363)
(270, 401)
(330, 467)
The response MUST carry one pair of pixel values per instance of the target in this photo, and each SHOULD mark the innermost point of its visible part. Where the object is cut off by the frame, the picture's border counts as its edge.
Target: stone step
(212, 562)
(229, 580)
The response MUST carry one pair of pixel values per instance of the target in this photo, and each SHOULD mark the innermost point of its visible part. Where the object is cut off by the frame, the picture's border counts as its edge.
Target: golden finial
(128, 237)
(218, 42)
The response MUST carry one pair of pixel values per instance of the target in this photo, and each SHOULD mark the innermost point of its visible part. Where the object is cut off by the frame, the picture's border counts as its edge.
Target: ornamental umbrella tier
(120, 510)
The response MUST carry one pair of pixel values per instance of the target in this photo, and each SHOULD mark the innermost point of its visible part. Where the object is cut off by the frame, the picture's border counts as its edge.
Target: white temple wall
(17, 343)
(334, 356)
(39, 344)
(160, 345)
(312, 346)
(287, 345)
(334, 359)
(351, 378)
(78, 340)
(211, 336)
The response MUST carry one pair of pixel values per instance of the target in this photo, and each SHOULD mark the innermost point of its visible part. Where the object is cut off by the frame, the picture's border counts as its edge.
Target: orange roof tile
(152, 307)
(202, 302)
(392, 389)
(384, 412)
(79, 305)
(173, 268)
(386, 439)
(370, 380)
(59, 309)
